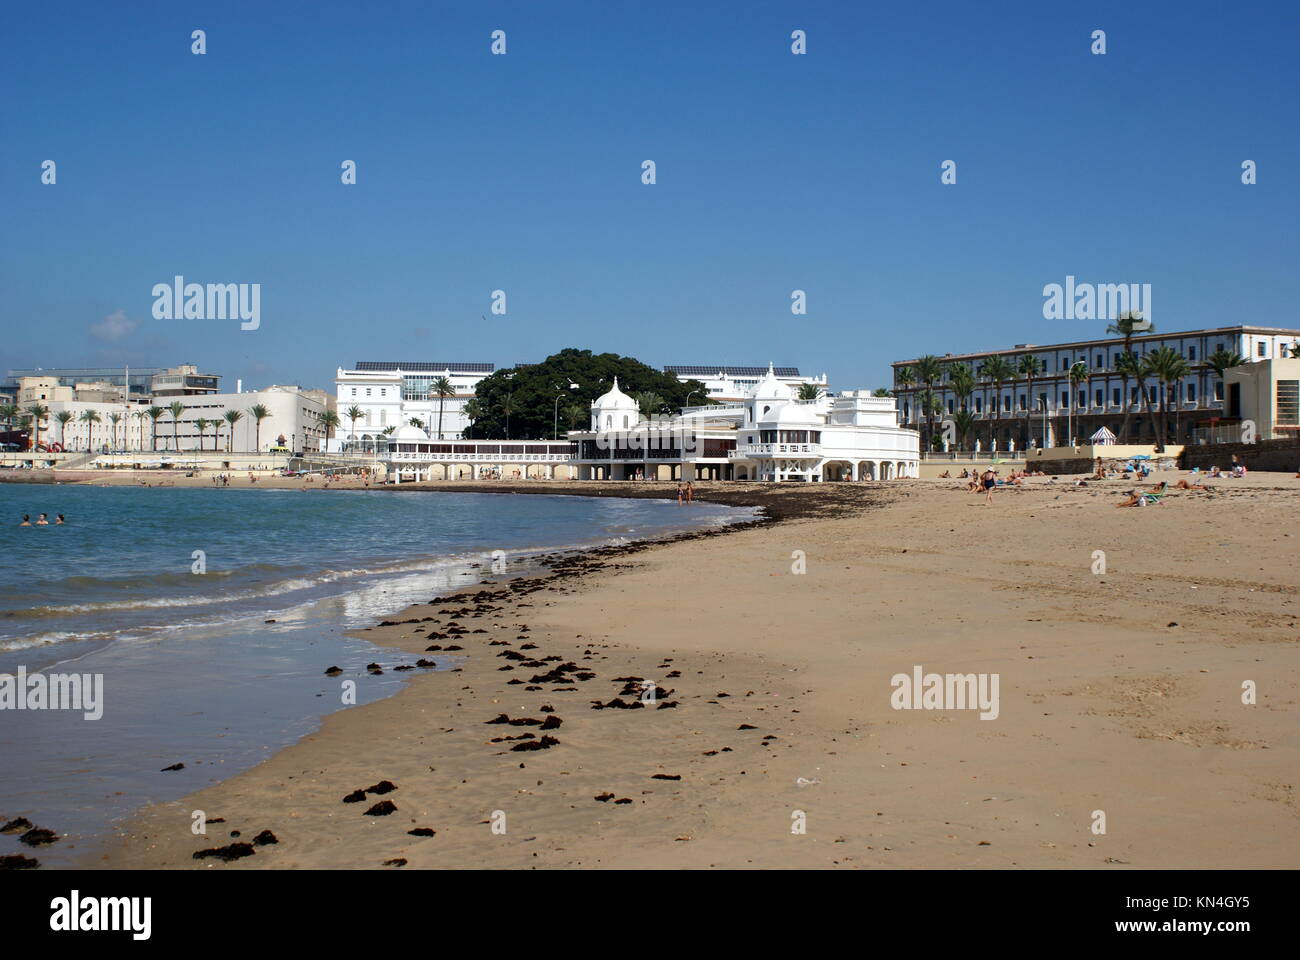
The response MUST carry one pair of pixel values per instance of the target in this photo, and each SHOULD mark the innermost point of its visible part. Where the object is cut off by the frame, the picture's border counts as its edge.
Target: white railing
(776, 450)
(475, 457)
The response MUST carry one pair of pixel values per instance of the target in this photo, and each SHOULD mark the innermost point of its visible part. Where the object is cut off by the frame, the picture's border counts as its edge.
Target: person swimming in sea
(27, 520)
(41, 521)
(58, 520)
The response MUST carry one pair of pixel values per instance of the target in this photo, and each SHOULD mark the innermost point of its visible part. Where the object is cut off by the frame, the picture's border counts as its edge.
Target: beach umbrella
(1102, 437)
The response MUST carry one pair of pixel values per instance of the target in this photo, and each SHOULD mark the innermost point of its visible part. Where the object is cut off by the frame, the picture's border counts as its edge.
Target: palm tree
(115, 419)
(330, 421)
(259, 413)
(201, 424)
(232, 417)
(1123, 327)
(650, 402)
(474, 412)
(1169, 367)
(929, 369)
(1295, 350)
(964, 421)
(9, 412)
(808, 391)
(154, 414)
(1029, 367)
(999, 370)
(574, 414)
(906, 380)
(1146, 371)
(415, 422)
(354, 413)
(881, 392)
(1078, 374)
(175, 408)
(90, 418)
(507, 408)
(1223, 360)
(63, 416)
(38, 412)
(442, 389)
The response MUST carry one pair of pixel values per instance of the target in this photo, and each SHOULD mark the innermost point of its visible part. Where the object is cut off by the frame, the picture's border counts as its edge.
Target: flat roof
(698, 370)
(421, 366)
(1137, 338)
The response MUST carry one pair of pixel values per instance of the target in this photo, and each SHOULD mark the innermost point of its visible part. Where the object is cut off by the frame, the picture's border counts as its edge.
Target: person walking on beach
(990, 481)
(681, 491)
(690, 491)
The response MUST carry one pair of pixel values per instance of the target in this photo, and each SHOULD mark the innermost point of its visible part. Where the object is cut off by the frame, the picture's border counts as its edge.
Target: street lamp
(555, 419)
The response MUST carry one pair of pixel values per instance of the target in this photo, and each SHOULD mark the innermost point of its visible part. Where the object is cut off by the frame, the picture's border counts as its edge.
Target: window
(1006, 403)
(950, 406)
(1261, 349)
(979, 404)
(1288, 403)
(1022, 401)
(1191, 393)
(354, 391)
(1218, 390)
(1191, 353)
(1218, 346)
(1065, 400)
(1098, 364)
(1115, 398)
(367, 391)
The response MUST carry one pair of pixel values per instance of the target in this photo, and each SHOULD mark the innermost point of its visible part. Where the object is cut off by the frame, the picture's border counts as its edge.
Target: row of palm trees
(32, 416)
(1163, 365)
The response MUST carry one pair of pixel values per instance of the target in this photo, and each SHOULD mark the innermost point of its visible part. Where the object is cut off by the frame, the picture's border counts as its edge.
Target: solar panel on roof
(703, 371)
(420, 366)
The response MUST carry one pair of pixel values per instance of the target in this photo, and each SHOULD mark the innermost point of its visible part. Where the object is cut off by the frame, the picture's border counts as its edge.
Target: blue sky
(523, 173)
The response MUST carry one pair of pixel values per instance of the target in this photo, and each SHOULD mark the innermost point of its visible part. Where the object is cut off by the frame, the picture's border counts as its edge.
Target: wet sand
(1120, 692)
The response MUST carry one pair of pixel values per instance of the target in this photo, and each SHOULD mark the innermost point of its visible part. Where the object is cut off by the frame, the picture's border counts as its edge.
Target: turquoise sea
(165, 593)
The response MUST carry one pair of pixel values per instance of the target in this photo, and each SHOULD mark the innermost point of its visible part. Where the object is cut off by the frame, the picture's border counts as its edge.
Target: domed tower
(614, 410)
(769, 395)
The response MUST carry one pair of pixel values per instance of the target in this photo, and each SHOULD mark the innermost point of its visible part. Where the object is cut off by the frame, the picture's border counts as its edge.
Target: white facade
(768, 436)
(734, 384)
(294, 415)
(391, 395)
(1018, 414)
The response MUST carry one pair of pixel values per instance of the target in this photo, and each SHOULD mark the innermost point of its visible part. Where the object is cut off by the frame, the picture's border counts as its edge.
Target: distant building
(391, 394)
(141, 378)
(770, 435)
(732, 384)
(1267, 394)
(1020, 414)
(183, 381)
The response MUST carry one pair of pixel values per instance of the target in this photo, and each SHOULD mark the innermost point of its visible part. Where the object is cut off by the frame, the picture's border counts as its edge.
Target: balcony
(746, 451)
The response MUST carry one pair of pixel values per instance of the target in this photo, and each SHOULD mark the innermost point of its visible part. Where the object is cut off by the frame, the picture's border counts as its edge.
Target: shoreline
(609, 605)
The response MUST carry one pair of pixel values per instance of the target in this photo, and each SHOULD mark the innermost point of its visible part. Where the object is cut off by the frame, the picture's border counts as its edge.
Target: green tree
(259, 413)
(115, 419)
(154, 414)
(63, 418)
(1129, 367)
(905, 379)
(90, 418)
(354, 413)
(1078, 374)
(650, 403)
(201, 425)
(1221, 361)
(474, 412)
(882, 392)
(997, 370)
(37, 412)
(442, 389)
(1029, 366)
(532, 389)
(929, 371)
(232, 417)
(330, 421)
(963, 422)
(175, 408)
(808, 391)
(1169, 367)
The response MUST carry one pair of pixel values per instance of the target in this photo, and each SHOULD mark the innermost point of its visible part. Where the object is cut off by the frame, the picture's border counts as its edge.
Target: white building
(393, 394)
(733, 384)
(769, 435)
(1019, 412)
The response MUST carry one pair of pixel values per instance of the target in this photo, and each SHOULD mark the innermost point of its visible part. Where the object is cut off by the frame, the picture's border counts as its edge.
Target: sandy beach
(1120, 691)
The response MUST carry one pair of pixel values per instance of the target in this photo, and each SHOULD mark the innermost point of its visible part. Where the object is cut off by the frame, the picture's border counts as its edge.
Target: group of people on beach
(42, 521)
(685, 490)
